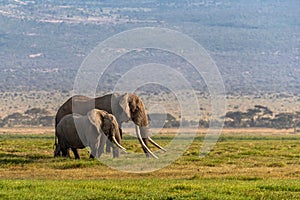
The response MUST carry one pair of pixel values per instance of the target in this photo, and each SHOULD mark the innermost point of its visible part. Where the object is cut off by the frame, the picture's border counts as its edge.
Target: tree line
(259, 116)
(262, 116)
(31, 117)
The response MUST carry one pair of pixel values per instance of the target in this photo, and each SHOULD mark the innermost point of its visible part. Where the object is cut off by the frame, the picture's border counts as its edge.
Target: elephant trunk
(116, 139)
(144, 131)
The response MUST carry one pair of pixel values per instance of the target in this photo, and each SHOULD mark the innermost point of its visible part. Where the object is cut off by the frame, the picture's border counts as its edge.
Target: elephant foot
(92, 156)
(57, 154)
(57, 151)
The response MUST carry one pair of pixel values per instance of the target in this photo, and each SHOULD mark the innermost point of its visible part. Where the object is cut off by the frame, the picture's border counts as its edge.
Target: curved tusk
(118, 145)
(157, 145)
(142, 142)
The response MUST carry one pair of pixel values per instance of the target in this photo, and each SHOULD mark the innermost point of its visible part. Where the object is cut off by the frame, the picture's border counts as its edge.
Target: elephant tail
(55, 135)
(56, 147)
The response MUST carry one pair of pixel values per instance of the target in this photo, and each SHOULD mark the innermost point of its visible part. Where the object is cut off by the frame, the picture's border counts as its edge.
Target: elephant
(79, 131)
(124, 107)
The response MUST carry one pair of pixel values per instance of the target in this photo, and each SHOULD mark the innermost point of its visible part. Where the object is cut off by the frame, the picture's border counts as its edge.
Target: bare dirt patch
(30, 130)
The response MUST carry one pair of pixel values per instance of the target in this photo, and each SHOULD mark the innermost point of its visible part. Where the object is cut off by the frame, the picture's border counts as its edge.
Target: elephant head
(107, 124)
(137, 111)
(130, 107)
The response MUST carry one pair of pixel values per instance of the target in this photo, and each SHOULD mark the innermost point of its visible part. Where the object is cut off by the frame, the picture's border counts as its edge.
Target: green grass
(249, 167)
(150, 189)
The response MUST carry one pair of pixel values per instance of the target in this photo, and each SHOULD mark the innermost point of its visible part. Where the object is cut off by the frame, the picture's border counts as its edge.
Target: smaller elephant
(80, 131)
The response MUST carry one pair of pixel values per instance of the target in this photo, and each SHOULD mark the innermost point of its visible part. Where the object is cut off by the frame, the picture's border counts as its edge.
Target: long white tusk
(155, 144)
(117, 144)
(142, 142)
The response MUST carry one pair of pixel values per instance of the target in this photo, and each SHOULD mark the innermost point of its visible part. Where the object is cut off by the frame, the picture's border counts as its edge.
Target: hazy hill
(254, 43)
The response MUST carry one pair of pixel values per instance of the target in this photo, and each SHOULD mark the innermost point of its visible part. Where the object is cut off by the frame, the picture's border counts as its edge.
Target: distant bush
(31, 117)
(1, 123)
(261, 116)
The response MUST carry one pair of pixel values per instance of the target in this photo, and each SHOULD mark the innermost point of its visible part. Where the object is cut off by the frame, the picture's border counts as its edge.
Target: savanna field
(244, 164)
(191, 63)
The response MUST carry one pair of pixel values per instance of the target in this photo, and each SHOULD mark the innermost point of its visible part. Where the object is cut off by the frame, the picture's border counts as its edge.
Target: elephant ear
(124, 104)
(96, 117)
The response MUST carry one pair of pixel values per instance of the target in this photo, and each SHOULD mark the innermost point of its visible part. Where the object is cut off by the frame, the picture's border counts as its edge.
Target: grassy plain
(244, 164)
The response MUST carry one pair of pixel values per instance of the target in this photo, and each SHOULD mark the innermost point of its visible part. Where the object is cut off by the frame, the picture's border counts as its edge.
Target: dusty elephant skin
(79, 131)
(124, 107)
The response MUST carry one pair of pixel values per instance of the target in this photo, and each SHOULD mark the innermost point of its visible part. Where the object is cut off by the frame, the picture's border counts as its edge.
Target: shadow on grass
(9, 159)
(288, 188)
(67, 163)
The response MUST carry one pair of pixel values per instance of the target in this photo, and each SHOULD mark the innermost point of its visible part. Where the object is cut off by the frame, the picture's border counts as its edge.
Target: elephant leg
(63, 148)
(145, 140)
(109, 145)
(103, 139)
(144, 133)
(94, 151)
(92, 156)
(116, 152)
(75, 152)
(65, 152)
(58, 146)
(57, 151)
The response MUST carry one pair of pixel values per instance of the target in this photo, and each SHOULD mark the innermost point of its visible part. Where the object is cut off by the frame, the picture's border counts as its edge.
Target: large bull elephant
(124, 107)
(78, 131)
